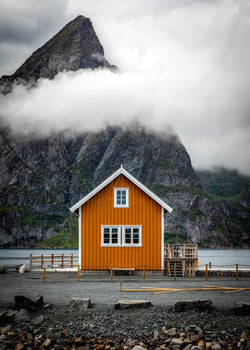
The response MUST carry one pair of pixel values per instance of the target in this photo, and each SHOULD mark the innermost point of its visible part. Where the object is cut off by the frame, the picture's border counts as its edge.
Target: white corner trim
(80, 236)
(162, 238)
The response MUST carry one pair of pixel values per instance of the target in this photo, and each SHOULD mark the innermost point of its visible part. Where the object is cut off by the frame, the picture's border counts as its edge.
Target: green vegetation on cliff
(67, 237)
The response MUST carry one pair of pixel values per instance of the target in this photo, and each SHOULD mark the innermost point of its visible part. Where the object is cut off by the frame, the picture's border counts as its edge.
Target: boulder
(193, 329)
(170, 332)
(3, 314)
(38, 320)
(23, 269)
(32, 303)
(131, 304)
(7, 316)
(193, 305)
(2, 268)
(80, 303)
(22, 316)
(176, 342)
(241, 308)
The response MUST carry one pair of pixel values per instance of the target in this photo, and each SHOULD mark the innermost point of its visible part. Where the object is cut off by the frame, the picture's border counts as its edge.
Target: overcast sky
(182, 63)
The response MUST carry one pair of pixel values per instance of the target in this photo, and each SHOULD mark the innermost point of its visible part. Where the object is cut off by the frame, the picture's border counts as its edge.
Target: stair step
(179, 269)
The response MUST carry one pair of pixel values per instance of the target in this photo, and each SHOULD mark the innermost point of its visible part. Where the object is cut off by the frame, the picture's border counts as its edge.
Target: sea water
(219, 258)
(16, 257)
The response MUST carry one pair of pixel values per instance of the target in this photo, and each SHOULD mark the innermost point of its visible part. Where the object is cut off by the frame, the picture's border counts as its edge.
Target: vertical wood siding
(99, 210)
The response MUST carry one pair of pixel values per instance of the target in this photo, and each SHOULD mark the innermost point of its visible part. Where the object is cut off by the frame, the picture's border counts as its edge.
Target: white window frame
(118, 244)
(115, 197)
(124, 227)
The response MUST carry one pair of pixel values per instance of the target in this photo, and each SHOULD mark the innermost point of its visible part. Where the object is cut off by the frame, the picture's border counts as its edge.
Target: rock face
(75, 46)
(41, 179)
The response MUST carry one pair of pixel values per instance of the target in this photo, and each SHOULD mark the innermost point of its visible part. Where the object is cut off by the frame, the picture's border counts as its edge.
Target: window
(131, 236)
(122, 236)
(121, 197)
(110, 236)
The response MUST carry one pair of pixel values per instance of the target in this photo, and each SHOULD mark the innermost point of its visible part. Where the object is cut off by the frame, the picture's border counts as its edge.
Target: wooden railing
(181, 251)
(53, 261)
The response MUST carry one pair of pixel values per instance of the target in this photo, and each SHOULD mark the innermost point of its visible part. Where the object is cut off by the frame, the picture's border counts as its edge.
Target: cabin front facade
(121, 224)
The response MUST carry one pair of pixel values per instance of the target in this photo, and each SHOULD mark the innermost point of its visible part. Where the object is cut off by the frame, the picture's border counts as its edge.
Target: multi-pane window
(123, 236)
(121, 197)
(131, 236)
(110, 235)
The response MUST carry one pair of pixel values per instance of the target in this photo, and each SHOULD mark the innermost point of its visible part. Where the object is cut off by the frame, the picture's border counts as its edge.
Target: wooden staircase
(185, 256)
(179, 268)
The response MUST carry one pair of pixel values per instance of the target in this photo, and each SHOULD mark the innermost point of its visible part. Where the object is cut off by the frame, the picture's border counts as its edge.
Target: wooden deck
(180, 257)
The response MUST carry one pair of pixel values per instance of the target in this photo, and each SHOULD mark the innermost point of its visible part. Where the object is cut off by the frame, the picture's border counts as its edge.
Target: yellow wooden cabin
(121, 224)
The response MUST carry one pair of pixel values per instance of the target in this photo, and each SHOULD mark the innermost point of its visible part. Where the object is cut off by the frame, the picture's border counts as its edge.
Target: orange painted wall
(99, 210)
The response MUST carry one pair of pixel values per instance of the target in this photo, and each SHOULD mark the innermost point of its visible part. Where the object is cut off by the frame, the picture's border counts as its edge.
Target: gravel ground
(59, 288)
(60, 325)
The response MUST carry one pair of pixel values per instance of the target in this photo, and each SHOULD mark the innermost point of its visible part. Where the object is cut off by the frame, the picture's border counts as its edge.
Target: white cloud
(182, 63)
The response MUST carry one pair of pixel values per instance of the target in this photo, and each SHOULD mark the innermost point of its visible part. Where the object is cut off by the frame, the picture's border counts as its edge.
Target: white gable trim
(162, 238)
(80, 238)
(121, 171)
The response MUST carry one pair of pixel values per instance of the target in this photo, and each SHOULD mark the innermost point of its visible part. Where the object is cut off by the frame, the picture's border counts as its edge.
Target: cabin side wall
(100, 210)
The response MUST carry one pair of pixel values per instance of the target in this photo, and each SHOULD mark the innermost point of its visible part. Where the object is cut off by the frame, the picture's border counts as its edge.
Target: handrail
(53, 260)
(182, 251)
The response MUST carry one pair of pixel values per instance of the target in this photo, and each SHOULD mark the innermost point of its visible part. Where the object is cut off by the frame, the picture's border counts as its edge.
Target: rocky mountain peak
(74, 47)
(41, 178)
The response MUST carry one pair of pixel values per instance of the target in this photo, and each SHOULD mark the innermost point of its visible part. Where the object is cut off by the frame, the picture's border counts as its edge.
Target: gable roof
(121, 171)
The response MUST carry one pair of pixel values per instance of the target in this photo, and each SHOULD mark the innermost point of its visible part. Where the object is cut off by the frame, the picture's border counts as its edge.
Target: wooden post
(175, 271)
(62, 260)
(30, 262)
(44, 273)
(144, 268)
(237, 272)
(78, 272)
(111, 273)
(186, 268)
(41, 261)
(168, 268)
(52, 260)
(206, 272)
(71, 260)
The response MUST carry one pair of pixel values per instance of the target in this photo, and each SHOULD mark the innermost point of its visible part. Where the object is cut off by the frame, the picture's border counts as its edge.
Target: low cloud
(185, 66)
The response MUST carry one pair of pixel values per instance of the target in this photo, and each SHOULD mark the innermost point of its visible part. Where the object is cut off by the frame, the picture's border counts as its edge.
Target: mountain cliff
(76, 46)
(41, 178)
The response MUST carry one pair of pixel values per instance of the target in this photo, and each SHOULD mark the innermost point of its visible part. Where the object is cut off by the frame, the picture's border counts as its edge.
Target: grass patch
(194, 213)
(6, 210)
(61, 240)
(41, 220)
(67, 237)
(196, 191)
(174, 238)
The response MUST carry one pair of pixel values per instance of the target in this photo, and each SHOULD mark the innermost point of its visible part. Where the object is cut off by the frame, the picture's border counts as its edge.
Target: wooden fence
(53, 261)
(181, 251)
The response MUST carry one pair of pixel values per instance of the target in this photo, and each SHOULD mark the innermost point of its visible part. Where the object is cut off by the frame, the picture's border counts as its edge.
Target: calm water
(14, 257)
(219, 258)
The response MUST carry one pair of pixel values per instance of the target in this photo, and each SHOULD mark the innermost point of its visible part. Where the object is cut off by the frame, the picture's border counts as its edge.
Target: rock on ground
(131, 304)
(32, 303)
